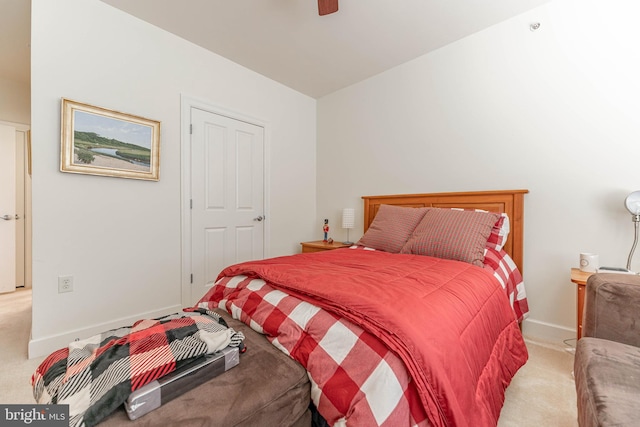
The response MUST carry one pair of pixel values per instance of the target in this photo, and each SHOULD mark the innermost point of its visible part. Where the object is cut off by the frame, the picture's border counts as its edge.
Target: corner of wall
(547, 332)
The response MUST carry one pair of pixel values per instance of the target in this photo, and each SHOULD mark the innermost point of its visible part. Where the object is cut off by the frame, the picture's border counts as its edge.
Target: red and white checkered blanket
(357, 378)
(506, 272)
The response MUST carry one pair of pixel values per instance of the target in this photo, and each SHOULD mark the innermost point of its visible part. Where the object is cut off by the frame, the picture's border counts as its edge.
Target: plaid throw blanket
(96, 375)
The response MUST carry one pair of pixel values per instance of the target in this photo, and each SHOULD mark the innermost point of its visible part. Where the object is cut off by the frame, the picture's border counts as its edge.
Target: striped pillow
(392, 227)
(452, 234)
(499, 233)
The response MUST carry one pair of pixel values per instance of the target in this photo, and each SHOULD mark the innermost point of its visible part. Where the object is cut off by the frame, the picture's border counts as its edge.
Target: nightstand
(319, 246)
(580, 277)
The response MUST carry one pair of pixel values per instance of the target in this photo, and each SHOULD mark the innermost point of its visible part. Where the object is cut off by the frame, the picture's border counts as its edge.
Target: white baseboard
(46, 345)
(547, 332)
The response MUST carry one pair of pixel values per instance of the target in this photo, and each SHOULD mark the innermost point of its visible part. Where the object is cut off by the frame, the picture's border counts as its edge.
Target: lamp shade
(348, 217)
(632, 202)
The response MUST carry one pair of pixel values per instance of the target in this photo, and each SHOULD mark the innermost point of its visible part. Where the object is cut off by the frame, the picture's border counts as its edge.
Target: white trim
(538, 330)
(188, 102)
(19, 126)
(46, 345)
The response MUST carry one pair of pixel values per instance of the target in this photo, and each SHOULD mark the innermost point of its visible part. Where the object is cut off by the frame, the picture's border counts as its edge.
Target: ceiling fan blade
(326, 7)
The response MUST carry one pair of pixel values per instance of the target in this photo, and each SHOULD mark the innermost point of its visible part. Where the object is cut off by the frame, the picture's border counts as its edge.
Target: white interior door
(227, 195)
(21, 246)
(7, 208)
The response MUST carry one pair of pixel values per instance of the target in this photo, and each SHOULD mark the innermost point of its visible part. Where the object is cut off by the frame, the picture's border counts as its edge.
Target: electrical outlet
(65, 284)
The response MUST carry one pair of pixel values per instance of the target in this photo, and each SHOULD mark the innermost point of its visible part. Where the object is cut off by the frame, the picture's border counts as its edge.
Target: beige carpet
(541, 394)
(15, 330)
(543, 391)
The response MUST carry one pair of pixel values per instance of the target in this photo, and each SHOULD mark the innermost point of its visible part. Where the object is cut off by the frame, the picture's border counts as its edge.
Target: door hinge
(192, 278)
(191, 129)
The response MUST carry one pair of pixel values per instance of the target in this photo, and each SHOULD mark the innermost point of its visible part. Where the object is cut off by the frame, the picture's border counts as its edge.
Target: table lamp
(348, 220)
(632, 202)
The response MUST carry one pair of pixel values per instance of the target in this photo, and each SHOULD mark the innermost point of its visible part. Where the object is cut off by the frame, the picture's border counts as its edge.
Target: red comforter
(449, 322)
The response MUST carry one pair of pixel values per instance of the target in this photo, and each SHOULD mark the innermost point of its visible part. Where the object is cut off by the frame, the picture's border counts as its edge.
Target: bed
(416, 324)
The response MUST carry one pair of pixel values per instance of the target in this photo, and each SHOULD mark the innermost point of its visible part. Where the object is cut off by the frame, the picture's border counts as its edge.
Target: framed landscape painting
(98, 141)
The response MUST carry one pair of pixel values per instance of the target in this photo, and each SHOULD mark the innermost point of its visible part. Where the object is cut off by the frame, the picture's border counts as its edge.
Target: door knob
(259, 218)
(6, 217)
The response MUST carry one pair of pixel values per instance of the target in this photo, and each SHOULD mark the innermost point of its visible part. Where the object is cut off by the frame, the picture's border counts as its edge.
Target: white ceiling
(287, 41)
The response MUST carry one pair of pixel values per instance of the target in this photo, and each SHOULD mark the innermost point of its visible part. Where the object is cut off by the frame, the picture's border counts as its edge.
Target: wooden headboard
(509, 201)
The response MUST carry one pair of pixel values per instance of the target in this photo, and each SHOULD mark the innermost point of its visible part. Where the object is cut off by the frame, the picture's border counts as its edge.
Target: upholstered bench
(267, 388)
(607, 361)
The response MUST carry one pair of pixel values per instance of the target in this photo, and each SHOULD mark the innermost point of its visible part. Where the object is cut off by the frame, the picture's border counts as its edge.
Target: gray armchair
(607, 360)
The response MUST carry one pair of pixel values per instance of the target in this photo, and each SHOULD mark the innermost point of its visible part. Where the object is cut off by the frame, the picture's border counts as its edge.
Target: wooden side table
(319, 246)
(580, 277)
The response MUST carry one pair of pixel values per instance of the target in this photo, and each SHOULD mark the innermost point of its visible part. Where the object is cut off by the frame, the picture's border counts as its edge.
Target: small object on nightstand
(325, 228)
(589, 262)
(615, 270)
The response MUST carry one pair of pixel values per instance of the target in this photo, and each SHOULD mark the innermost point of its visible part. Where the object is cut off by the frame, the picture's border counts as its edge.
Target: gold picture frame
(98, 141)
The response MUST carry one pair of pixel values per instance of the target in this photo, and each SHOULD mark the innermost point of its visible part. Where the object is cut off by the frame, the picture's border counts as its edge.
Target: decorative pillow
(392, 227)
(452, 234)
(499, 233)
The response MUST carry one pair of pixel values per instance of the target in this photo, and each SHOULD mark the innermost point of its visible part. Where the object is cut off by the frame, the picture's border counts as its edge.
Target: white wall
(555, 111)
(120, 238)
(14, 102)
